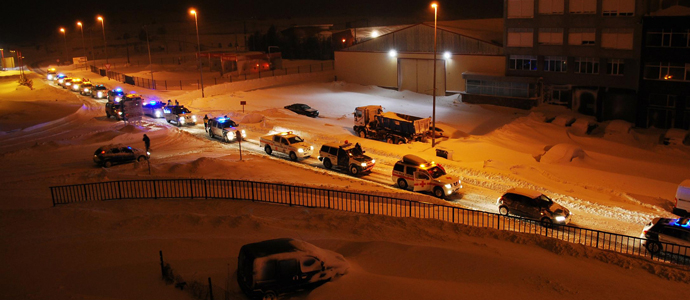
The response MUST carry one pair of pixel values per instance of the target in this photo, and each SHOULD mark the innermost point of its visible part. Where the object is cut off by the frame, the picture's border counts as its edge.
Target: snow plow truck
(395, 128)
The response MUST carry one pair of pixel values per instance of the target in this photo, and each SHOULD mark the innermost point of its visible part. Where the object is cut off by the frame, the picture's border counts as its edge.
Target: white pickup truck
(288, 143)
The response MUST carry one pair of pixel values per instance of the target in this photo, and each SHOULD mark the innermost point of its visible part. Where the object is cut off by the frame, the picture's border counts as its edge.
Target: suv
(116, 95)
(76, 84)
(99, 91)
(154, 108)
(662, 232)
(346, 156)
(85, 89)
(225, 129)
(118, 154)
(179, 114)
(60, 78)
(270, 268)
(534, 205)
(113, 109)
(421, 175)
(66, 83)
(51, 74)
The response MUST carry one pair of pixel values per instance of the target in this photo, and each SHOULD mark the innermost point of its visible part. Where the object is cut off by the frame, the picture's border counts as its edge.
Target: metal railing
(359, 203)
(194, 84)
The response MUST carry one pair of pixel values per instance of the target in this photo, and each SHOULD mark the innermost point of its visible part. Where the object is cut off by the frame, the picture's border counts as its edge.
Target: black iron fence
(195, 84)
(361, 203)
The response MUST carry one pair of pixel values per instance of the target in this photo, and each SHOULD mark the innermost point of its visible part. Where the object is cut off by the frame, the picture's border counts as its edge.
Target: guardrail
(360, 203)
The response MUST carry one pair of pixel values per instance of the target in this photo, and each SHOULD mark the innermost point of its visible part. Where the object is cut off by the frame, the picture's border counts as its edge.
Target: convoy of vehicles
(420, 175)
(109, 155)
(346, 156)
(303, 109)
(287, 143)
(225, 129)
(395, 128)
(179, 115)
(533, 205)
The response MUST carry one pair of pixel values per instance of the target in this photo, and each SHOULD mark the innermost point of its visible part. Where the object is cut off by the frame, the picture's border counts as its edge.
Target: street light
(198, 55)
(433, 116)
(64, 36)
(105, 44)
(83, 43)
(148, 45)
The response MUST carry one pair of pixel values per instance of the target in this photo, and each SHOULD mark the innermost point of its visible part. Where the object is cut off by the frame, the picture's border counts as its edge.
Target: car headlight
(373, 161)
(100, 94)
(86, 89)
(560, 218)
(181, 119)
(364, 164)
(244, 134)
(448, 185)
(158, 114)
(300, 150)
(148, 153)
(311, 147)
(194, 118)
(117, 99)
(50, 76)
(119, 112)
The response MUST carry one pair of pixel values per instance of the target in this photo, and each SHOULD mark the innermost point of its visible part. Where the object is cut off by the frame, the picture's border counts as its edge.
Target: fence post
(119, 189)
(155, 190)
(328, 196)
(369, 200)
(252, 185)
(84, 191)
(597, 246)
(290, 194)
(210, 288)
(52, 195)
(160, 253)
(205, 189)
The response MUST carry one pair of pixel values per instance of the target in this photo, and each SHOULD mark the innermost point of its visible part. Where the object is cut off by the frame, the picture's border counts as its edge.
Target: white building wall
(378, 68)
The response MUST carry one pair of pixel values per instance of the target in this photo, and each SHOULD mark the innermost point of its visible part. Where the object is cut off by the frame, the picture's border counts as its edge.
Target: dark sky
(28, 21)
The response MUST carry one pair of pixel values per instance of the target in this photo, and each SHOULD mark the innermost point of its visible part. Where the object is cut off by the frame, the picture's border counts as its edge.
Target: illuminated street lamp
(433, 116)
(198, 56)
(105, 44)
(64, 37)
(83, 44)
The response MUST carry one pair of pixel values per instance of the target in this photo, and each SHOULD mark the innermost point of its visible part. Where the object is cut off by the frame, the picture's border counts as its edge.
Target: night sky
(29, 21)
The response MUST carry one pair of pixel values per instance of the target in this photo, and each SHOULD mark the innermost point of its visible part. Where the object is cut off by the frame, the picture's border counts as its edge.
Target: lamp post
(64, 37)
(433, 116)
(198, 55)
(83, 43)
(105, 44)
(148, 45)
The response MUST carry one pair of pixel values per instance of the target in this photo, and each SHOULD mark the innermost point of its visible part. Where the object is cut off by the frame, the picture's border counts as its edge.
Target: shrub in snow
(583, 126)
(537, 116)
(675, 136)
(564, 120)
(618, 127)
(562, 153)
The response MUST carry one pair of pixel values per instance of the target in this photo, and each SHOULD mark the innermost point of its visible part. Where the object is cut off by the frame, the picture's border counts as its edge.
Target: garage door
(417, 75)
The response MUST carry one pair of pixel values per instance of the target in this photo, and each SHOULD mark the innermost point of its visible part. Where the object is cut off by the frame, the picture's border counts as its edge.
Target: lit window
(523, 62)
(555, 64)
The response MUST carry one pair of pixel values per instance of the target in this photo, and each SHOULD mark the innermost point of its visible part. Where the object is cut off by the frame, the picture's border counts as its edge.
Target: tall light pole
(64, 37)
(83, 43)
(105, 44)
(433, 116)
(198, 55)
(146, 28)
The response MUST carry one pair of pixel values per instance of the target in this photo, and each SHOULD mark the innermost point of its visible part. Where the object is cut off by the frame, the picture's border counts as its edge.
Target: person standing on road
(177, 103)
(206, 122)
(169, 102)
(147, 142)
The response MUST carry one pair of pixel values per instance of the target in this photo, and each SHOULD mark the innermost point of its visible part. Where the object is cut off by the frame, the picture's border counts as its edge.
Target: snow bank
(562, 153)
(252, 118)
(582, 126)
(618, 127)
(564, 120)
(675, 136)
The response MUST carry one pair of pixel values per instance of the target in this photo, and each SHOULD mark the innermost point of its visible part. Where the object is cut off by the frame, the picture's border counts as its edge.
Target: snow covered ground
(108, 250)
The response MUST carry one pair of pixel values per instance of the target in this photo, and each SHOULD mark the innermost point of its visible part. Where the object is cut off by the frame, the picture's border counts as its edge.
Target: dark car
(116, 95)
(303, 109)
(346, 156)
(533, 205)
(107, 156)
(662, 234)
(270, 268)
(99, 91)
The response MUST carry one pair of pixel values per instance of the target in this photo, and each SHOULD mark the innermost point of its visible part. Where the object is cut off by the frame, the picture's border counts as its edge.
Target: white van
(683, 199)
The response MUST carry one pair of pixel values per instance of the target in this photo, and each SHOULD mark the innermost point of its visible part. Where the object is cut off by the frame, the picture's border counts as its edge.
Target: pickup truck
(288, 143)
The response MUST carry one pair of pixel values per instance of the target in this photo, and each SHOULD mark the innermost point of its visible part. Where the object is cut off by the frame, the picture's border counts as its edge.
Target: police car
(288, 143)
(60, 78)
(85, 88)
(66, 83)
(346, 156)
(76, 84)
(225, 129)
(116, 95)
(52, 74)
(109, 155)
(154, 108)
(179, 114)
(662, 234)
(99, 91)
(423, 176)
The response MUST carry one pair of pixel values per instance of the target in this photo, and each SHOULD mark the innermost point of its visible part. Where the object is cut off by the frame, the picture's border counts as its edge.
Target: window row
(667, 71)
(611, 38)
(668, 38)
(582, 65)
(609, 8)
(500, 88)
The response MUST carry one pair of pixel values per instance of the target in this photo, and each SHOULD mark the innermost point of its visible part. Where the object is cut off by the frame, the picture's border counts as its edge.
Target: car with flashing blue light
(110, 155)
(116, 95)
(99, 91)
(154, 108)
(225, 129)
(179, 115)
(664, 235)
(60, 78)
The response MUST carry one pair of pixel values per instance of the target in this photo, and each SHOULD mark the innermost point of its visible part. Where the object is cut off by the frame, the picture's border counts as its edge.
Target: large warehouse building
(403, 59)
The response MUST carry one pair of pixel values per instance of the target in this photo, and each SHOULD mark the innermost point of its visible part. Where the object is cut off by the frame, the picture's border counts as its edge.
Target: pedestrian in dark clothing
(169, 102)
(177, 103)
(206, 122)
(147, 142)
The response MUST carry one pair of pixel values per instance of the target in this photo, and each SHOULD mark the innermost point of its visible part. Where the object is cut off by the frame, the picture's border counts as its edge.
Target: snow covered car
(225, 129)
(113, 109)
(346, 156)
(85, 88)
(288, 143)
(109, 155)
(533, 205)
(115, 95)
(661, 232)
(51, 74)
(99, 91)
(154, 108)
(424, 176)
(76, 84)
(303, 109)
(267, 269)
(179, 114)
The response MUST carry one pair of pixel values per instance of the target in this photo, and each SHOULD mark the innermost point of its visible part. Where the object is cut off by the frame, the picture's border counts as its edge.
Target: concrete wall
(377, 68)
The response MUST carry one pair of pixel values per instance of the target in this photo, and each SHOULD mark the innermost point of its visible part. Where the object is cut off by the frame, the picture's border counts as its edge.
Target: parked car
(270, 268)
(154, 108)
(662, 232)
(682, 206)
(303, 109)
(225, 129)
(99, 91)
(534, 205)
(179, 114)
(109, 155)
(346, 156)
(420, 175)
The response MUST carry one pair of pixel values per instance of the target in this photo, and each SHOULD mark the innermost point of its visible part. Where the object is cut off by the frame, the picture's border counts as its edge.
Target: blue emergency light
(118, 89)
(677, 222)
(152, 102)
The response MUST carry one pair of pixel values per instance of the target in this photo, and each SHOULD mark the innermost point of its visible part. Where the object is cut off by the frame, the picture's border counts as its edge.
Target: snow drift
(562, 153)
